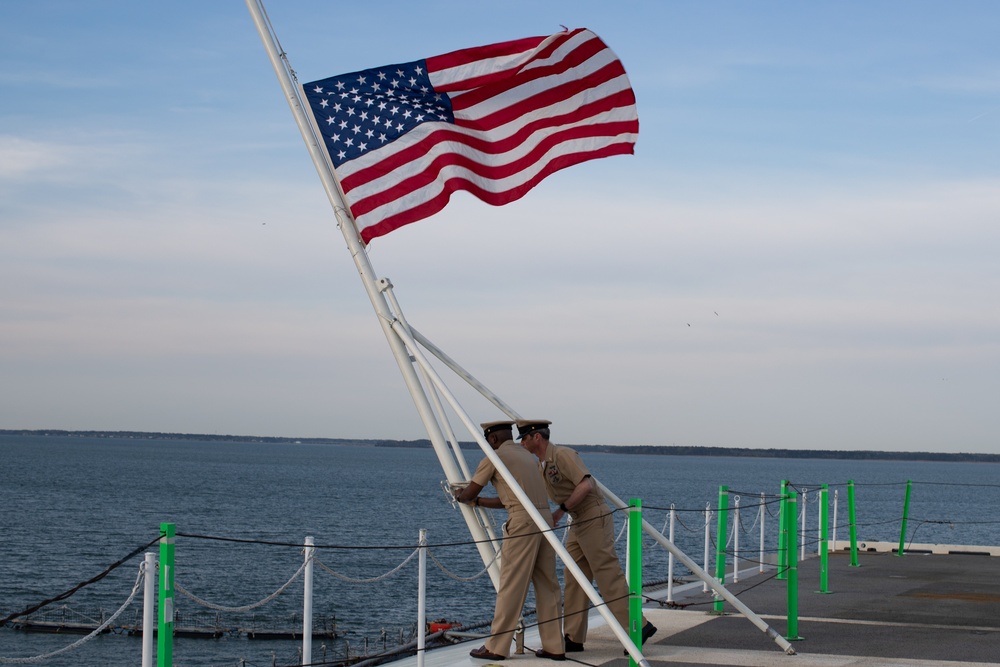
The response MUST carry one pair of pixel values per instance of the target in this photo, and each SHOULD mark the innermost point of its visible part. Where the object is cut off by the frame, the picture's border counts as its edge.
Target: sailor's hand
(451, 490)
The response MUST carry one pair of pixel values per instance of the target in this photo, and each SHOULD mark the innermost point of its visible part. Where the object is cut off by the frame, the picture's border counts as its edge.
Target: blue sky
(802, 252)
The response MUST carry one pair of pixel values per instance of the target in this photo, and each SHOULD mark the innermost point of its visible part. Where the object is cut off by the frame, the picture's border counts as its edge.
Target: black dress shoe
(484, 653)
(542, 653)
(572, 646)
(648, 631)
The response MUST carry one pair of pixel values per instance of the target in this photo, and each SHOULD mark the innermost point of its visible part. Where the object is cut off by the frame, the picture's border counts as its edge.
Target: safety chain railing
(456, 577)
(83, 640)
(381, 577)
(795, 538)
(791, 514)
(83, 584)
(250, 607)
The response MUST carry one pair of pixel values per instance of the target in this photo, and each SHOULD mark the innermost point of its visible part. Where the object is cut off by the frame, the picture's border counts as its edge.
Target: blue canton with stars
(361, 111)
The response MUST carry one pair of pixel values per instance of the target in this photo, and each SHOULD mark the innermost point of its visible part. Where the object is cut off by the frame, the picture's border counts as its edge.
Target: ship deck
(917, 610)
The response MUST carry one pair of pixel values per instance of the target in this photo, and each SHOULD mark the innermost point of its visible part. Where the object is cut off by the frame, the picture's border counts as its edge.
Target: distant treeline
(650, 450)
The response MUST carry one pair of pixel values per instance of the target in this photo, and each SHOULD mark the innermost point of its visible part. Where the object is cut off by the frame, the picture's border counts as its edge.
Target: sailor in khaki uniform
(525, 555)
(591, 539)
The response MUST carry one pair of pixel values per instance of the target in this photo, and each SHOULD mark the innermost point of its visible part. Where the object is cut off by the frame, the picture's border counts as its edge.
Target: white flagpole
(354, 244)
(367, 274)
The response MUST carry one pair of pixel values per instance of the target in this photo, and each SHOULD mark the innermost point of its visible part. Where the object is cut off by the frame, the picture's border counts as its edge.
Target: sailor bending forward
(525, 555)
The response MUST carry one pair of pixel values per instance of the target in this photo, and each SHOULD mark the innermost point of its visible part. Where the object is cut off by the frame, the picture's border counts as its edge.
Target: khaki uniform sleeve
(484, 472)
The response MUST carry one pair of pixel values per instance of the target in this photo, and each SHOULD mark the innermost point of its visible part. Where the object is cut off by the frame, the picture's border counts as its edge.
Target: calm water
(73, 506)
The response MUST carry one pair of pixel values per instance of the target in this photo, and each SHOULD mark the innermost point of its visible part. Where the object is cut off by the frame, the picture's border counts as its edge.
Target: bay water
(72, 506)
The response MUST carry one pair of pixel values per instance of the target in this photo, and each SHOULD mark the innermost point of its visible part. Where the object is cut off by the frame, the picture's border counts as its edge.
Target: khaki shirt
(563, 470)
(524, 467)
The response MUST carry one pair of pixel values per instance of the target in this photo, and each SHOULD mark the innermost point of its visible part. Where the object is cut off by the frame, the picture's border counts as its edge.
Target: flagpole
(374, 290)
(349, 230)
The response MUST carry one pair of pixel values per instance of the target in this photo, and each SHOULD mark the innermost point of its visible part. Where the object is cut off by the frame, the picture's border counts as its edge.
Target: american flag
(492, 120)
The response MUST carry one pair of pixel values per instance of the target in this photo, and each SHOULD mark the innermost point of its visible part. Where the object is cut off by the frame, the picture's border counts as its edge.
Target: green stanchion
(906, 513)
(165, 607)
(782, 537)
(791, 513)
(720, 545)
(634, 574)
(854, 523)
(824, 539)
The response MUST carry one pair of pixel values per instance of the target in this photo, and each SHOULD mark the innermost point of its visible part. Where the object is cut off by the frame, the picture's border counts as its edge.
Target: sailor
(525, 555)
(591, 538)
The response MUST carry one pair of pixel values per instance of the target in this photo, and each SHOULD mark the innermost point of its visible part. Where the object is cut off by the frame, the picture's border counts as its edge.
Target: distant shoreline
(648, 450)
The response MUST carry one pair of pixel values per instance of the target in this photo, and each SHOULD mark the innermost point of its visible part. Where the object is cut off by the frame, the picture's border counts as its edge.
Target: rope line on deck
(372, 580)
(804, 542)
(82, 584)
(456, 577)
(715, 508)
(249, 607)
(440, 545)
(700, 528)
(83, 640)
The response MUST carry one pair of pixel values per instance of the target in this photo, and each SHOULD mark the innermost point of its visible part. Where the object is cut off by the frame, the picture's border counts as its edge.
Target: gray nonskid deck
(918, 610)
(915, 608)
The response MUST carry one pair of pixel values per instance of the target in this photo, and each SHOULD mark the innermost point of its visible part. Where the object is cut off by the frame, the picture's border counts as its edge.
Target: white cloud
(23, 156)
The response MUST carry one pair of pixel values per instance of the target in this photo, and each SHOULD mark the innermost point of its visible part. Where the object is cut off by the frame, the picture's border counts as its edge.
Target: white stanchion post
(625, 528)
(708, 539)
(819, 522)
(670, 558)
(307, 603)
(802, 533)
(736, 539)
(148, 608)
(421, 597)
(835, 492)
(763, 513)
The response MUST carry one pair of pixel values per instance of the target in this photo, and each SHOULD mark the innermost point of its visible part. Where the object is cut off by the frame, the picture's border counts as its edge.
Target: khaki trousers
(591, 543)
(526, 557)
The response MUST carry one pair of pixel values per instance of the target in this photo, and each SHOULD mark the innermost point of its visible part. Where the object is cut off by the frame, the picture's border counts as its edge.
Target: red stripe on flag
(575, 58)
(477, 53)
(489, 172)
(550, 97)
(484, 54)
(492, 147)
(433, 206)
